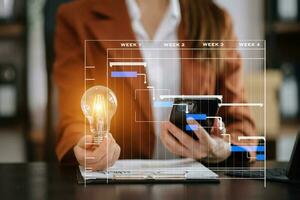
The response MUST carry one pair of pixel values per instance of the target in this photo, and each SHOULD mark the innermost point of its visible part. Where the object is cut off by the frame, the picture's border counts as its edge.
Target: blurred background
(27, 114)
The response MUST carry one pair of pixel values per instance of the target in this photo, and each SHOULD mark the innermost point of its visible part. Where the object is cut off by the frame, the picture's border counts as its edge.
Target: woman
(136, 20)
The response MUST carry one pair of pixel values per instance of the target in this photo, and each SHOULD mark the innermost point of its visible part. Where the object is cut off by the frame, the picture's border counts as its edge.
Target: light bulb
(98, 105)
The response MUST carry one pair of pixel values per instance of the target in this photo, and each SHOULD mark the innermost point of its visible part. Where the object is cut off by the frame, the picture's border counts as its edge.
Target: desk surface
(52, 181)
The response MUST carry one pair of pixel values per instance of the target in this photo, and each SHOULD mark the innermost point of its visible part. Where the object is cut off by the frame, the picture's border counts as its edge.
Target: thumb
(199, 131)
(218, 128)
(85, 141)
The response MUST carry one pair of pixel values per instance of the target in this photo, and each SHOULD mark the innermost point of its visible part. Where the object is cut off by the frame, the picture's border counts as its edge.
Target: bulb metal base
(98, 138)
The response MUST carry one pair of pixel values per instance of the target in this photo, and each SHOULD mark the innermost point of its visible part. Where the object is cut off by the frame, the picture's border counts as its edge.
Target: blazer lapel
(110, 23)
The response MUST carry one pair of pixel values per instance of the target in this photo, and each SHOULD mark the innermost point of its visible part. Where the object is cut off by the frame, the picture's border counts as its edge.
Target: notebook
(176, 170)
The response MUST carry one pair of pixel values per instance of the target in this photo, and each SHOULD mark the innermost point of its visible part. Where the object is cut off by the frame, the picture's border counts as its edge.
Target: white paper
(8, 102)
(152, 169)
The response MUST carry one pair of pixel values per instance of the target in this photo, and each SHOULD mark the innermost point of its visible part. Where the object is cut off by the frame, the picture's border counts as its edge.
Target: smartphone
(203, 109)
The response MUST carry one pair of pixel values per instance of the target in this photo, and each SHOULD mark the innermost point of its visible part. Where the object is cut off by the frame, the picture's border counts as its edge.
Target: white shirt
(159, 70)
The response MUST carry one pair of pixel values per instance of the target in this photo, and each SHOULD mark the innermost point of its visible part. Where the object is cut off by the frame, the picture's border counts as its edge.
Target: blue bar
(260, 148)
(166, 104)
(123, 74)
(196, 116)
(247, 148)
(191, 127)
(260, 157)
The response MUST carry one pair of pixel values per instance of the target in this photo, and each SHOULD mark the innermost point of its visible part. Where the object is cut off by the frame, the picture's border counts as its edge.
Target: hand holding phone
(203, 109)
(209, 148)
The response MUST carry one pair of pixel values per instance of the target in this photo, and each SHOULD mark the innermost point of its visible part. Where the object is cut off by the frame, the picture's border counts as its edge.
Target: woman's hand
(97, 156)
(211, 148)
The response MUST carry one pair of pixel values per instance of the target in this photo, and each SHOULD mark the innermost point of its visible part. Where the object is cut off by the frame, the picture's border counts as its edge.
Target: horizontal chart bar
(191, 127)
(247, 148)
(196, 116)
(190, 96)
(190, 58)
(251, 138)
(118, 74)
(90, 67)
(111, 64)
(163, 104)
(260, 157)
(242, 104)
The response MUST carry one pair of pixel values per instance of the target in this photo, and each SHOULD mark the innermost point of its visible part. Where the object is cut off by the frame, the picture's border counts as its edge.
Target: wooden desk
(52, 181)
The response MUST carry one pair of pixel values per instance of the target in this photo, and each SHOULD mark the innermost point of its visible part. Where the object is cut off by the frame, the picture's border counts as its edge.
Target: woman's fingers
(115, 155)
(105, 149)
(181, 136)
(85, 141)
(101, 149)
(108, 159)
(97, 157)
(111, 153)
(174, 136)
(178, 150)
(98, 166)
(200, 132)
(84, 156)
(179, 143)
(218, 128)
(172, 144)
(82, 150)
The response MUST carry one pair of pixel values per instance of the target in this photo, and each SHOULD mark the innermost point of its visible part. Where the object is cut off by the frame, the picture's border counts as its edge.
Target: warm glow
(99, 106)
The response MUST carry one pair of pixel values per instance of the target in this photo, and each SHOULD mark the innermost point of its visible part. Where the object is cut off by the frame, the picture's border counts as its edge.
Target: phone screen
(203, 110)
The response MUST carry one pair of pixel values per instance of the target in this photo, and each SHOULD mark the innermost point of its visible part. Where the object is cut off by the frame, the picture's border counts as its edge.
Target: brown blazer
(108, 20)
